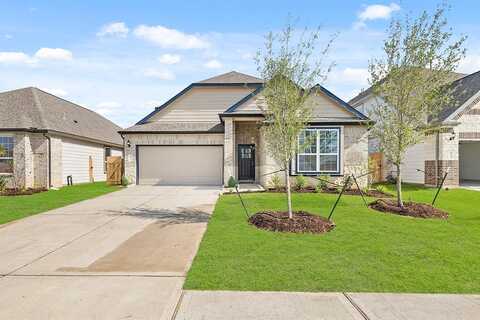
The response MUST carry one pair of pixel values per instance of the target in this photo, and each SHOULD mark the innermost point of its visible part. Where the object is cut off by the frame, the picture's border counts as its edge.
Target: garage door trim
(137, 167)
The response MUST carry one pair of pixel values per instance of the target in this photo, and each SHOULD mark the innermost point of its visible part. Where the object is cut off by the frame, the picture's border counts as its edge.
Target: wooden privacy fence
(114, 170)
(375, 161)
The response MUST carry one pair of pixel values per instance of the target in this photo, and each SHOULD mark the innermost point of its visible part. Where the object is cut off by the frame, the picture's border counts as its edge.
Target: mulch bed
(302, 222)
(21, 192)
(411, 209)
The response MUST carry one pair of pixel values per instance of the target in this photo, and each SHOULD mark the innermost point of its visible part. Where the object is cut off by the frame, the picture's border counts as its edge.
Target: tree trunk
(399, 187)
(289, 194)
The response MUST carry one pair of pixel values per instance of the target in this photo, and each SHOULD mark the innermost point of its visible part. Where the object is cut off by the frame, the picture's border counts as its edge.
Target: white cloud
(114, 29)
(107, 108)
(109, 104)
(159, 74)
(54, 54)
(56, 91)
(8, 36)
(14, 57)
(170, 38)
(213, 64)
(169, 58)
(470, 64)
(375, 12)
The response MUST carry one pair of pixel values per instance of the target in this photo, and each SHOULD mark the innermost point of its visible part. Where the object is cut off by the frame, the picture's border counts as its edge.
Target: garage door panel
(180, 165)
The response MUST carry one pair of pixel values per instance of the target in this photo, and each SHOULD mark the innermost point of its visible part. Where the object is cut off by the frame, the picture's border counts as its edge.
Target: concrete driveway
(120, 256)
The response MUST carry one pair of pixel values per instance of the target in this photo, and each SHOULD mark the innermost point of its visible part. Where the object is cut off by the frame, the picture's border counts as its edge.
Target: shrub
(323, 184)
(232, 183)
(318, 188)
(276, 182)
(300, 182)
(3, 183)
(125, 181)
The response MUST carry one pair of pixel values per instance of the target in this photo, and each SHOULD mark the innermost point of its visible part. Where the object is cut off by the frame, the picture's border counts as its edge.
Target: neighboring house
(456, 148)
(46, 139)
(211, 131)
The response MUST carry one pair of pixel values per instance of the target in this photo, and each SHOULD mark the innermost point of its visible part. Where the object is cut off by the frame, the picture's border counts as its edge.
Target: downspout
(49, 167)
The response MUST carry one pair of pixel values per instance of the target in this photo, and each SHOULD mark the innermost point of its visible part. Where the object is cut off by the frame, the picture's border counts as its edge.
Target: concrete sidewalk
(235, 305)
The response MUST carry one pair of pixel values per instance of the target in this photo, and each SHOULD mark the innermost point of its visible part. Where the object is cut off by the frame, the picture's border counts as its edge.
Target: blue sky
(121, 58)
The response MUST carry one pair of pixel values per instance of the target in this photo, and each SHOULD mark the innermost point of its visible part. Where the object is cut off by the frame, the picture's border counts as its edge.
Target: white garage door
(180, 165)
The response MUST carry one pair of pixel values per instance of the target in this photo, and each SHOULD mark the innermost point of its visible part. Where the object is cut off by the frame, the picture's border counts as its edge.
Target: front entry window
(319, 151)
(6, 154)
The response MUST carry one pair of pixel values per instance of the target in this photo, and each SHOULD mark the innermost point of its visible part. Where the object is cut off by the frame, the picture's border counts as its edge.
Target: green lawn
(17, 207)
(366, 252)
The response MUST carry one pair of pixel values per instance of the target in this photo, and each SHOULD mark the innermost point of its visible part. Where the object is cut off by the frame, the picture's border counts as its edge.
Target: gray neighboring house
(47, 138)
(212, 130)
(456, 148)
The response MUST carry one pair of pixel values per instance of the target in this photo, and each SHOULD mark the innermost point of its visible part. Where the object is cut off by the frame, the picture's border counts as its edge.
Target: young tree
(291, 65)
(410, 83)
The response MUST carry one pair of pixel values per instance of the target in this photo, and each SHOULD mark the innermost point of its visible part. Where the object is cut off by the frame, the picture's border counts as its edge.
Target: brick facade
(431, 178)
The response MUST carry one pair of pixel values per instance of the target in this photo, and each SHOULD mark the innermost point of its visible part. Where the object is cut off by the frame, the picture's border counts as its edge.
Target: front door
(246, 162)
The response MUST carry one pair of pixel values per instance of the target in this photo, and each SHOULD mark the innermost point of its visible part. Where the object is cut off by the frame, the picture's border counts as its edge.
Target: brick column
(229, 150)
(447, 161)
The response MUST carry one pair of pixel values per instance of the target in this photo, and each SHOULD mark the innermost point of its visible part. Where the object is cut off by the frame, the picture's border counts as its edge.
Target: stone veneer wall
(162, 139)
(30, 161)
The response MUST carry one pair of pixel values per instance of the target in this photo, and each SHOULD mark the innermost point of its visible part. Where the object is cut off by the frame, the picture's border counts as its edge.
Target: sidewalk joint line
(356, 306)
(177, 306)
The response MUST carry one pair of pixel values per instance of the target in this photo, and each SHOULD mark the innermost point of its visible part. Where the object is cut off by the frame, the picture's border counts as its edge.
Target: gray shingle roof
(462, 90)
(31, 108)
(232, 77)
(207, 127)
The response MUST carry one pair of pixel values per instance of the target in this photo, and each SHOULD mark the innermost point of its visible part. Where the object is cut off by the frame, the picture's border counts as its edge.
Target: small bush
(349, 184)
(300, 182)
(232, 183)
(276, 182)
(323, 184)
(318, 188)
(125, 181)
(3, 183)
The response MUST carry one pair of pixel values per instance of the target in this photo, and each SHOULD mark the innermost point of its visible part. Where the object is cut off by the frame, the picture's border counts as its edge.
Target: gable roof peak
(232, 77)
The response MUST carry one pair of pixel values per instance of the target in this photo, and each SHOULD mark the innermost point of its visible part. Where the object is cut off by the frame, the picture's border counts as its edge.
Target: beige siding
(324, 107)
(256, 103)
(75, 160)
(117, 153)
(202, 104)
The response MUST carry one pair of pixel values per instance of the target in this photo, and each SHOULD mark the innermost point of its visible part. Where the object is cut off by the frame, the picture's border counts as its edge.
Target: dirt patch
(302, 222)
(412, 209)
(21, 192)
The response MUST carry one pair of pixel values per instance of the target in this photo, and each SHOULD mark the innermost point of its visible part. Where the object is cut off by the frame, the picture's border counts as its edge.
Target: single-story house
(212, 130)
(45, 139)
(455, 148)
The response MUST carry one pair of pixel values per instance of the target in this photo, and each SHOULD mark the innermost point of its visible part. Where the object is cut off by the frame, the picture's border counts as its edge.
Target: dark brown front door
(246, 162)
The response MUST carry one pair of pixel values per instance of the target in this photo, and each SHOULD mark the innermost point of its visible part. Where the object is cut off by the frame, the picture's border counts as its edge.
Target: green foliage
(276, 182)
(324, 182)
(409, 82)
(125, 181)
(300, 182)
(291, 66)
(232, 183)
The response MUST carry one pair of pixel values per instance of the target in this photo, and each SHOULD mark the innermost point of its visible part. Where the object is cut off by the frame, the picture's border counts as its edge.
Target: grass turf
(368, 251)
(17, 207)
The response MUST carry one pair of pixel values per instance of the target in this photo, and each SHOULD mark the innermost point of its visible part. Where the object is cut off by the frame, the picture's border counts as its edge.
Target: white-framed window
(6, 154)
(319, 151)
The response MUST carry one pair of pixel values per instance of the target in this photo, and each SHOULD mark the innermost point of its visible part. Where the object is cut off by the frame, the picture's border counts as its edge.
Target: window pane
(328, 141)
(307, 163)
(6, 166)
(7, 147)
(307, 141)
(328, 163)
